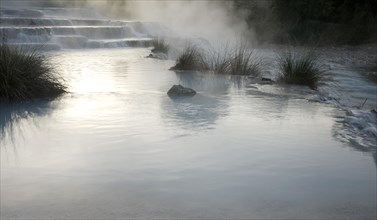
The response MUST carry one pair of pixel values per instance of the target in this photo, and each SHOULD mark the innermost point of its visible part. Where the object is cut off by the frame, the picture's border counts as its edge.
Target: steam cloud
(216, 21)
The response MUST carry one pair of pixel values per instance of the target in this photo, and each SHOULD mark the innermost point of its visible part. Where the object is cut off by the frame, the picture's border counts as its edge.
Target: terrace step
(67, 29)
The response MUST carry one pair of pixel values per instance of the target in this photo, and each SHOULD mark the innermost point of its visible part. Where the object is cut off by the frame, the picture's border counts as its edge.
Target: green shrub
(301, 69)
(160, 46)
(27, 75)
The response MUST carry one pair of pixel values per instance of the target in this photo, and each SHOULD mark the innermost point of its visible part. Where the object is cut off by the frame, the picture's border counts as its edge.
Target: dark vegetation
(160, 46)
(301, 69)
(12, 113)
(374, 72)
(27, 75)
(241, 61)
(319, 22)
(370, 72)
(191, 59)
(244, 62)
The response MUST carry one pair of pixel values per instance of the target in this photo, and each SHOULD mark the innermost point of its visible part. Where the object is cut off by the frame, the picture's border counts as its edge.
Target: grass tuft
(301, 69)
(191, 59)
(27, 75)
(241, 61)
(244, 62)
(160, 46)
(220, 62)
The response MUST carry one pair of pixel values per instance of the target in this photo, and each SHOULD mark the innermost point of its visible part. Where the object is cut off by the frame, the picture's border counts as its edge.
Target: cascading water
(68, 28)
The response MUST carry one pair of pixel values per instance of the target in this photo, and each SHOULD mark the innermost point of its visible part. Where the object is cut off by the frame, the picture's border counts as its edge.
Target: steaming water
(119, 147)
(349, 89)
(67, 28)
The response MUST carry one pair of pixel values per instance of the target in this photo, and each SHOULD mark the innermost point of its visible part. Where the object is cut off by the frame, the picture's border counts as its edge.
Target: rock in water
(265, 79)
(178, 90)
(159, 56)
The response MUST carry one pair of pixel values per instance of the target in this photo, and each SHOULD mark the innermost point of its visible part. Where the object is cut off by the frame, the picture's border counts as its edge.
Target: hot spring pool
(118, 147)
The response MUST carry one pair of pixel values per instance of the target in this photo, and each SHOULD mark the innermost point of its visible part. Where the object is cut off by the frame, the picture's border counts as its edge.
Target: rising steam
(215, 21)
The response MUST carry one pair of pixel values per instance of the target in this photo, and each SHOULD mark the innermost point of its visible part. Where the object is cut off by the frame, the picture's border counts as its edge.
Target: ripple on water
(118, 146)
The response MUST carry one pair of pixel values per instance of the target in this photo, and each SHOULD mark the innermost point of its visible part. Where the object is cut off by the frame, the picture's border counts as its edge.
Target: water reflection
(365, 149)
(211, 83)
(203, 110)
(344, 132)
(198, 112)
(268, 106)
(14, 115)
(125, 143)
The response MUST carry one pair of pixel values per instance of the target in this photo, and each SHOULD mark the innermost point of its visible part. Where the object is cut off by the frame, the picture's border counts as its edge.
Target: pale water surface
(118, 147)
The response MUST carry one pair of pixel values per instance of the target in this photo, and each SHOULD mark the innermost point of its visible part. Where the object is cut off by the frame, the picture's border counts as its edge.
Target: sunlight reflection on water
(118, 146)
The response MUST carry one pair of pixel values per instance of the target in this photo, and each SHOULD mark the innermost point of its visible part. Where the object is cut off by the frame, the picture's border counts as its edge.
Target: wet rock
(159, 56)
(266, 80)
(178, 90)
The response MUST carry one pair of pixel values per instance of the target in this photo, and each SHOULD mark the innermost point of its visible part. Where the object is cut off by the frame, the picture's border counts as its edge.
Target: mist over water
(116, 146)
(216, 21)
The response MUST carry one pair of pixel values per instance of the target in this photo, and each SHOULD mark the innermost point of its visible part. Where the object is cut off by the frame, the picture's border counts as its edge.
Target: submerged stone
(266, 80)
(178, 90)
(160, 56)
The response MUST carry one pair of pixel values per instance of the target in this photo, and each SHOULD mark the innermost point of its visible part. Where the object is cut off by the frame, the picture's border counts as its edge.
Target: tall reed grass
(25, 74)
(192, 59)
(238, 61)
(160, 46)
(301, 69)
